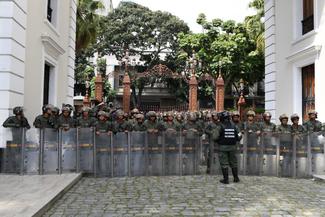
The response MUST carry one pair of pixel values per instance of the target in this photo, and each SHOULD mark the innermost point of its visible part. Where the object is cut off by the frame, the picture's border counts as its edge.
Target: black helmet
(18, 110)
(223, 116)
(46, 107)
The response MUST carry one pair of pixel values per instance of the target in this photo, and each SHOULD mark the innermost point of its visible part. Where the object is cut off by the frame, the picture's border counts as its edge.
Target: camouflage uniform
(285, 137)
(65, 122)
(103, 126)
(296, 128)
(139, 123)
(18, 120)
(85, 121)
(121, 125)
(45, 120)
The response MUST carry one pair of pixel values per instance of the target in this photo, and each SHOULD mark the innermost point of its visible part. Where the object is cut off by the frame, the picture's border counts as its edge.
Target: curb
(47, 206)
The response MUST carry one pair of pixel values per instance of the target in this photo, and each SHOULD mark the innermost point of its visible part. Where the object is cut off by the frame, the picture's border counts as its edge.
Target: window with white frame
(308, 16)
(52, 11)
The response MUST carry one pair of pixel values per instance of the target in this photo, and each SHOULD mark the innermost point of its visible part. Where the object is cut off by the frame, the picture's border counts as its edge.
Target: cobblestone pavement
(192, 196)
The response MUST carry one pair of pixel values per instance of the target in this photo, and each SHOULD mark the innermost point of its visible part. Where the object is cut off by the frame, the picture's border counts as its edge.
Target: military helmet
(135, 111)
(312, 112)
(294, 116)
(119, 113)
(165, 114)
(214, 114)
(66, 109)
(235, 113)
(170, 114)
(224, 115)
(267, 114)
(283, 116)
(55, 110)
(85, 109)
(250, 112)
(192, 116)
(151, 114)
(46, 107)
(102, 113)
(139, 116)
(18, 110)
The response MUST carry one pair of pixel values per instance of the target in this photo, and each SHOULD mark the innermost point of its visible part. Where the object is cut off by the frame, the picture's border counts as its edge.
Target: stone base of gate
(25, 196)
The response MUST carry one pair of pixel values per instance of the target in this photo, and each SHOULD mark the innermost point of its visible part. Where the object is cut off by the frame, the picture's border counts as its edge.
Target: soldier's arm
(37, 123)
(25, 123)
(10, 123)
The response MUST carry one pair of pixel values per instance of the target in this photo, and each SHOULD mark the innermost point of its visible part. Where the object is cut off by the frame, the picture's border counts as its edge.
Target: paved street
(192, 196)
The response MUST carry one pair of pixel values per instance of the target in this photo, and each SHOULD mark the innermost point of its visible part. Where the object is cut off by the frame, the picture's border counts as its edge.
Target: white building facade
(37, 54)
(294, 57)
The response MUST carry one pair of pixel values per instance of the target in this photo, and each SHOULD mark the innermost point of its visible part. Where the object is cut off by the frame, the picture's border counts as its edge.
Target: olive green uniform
(86, 122)
(44, 122)
(14, 122)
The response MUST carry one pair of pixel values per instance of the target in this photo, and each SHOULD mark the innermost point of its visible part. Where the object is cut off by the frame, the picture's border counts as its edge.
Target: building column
(126, 92)
(13, 22)
(220, 93)
(193, 94)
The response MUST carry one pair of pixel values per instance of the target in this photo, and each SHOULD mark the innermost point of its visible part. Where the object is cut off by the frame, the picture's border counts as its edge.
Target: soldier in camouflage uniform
(45, 120)
(235, 118)
(212, 130)
(179, 121)
(296, 128)
(227, 139)
(313, 125)
(120, 124)
(85, 120)
(103, 125)
(285, 138)
(139, 123)
(151, 123)
(65, 120)
(17, 121)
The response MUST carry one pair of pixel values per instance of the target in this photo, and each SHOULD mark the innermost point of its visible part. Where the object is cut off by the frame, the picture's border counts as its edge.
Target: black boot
(235, 174)
(225, 179)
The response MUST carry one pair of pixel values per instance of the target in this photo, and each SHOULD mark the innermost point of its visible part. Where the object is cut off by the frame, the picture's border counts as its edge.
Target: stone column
(126, 93)
(220, 93)
(193, 94)
(99, 88)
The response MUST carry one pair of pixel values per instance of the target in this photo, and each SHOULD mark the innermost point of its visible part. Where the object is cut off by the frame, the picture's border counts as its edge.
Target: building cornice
(51, 46)
(310, 51)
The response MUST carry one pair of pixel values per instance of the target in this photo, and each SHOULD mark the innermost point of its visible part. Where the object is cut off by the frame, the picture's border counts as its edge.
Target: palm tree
(255, 24)
(87, 22)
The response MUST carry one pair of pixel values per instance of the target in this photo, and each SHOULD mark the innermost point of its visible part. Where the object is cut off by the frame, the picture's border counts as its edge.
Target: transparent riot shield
(50, 151)
(190, 143)
(240, 156)
(155, 155)
(12, 156)
(85, 150)
(172, 160)
(32, 151)
(286, 154)
(300, 142)
(317, 142)
(121, 164)
(68, 144)
(103, 155)
(270, 157)
(254, 154)
(139, 153)
(213, 158)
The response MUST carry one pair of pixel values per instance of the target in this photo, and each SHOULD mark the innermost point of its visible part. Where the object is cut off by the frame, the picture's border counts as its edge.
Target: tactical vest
(228, 134)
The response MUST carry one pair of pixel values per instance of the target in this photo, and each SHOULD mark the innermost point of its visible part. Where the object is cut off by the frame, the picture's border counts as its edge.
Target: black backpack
(228, 134)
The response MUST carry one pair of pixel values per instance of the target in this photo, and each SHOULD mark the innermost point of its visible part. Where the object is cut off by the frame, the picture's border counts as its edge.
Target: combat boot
(235, 174)
(225, 179)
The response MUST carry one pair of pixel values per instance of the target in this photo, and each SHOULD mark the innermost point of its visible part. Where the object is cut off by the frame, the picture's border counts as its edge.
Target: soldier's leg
(224, 163)
(234, 165)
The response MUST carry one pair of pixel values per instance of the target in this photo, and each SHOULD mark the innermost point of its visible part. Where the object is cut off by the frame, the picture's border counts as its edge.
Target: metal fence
(49, 151)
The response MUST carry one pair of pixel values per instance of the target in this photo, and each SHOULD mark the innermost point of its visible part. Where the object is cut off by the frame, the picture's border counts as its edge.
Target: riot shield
(300, 142)
(317, 142)
(103, 155)
(121, 164)
(286, 154)
(213, 158)
(50, 151)
(254, 154)
(139, 153)
(68, 140)
(85, 150)
(190, 143)
(270, 157)
(155, 155)
(12, 159)
(32, 151)
(172, 160)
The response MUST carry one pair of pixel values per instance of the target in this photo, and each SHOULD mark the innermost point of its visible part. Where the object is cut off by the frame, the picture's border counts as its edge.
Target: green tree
(140, 31)
(87, 23)
(225, 46)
